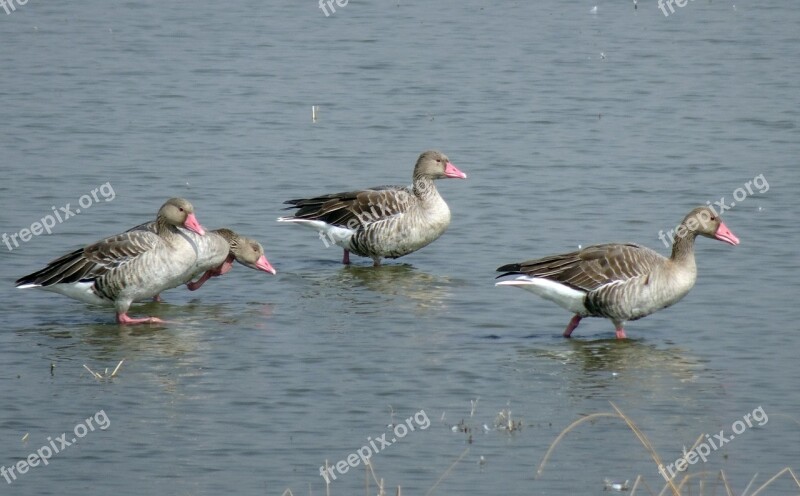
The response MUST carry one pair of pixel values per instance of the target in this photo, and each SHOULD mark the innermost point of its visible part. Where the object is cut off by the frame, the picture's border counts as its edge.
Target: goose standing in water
(385, 221)
(620, 282)
(127, 267)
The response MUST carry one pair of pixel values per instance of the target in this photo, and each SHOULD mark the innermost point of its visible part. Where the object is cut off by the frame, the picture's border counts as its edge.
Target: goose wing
(591, 268)
(354, 208)
(91, 262)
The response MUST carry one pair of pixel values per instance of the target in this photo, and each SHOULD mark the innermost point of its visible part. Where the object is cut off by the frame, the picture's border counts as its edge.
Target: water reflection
(640, 366)
(427, 291)
(360, 287)
(167, 353)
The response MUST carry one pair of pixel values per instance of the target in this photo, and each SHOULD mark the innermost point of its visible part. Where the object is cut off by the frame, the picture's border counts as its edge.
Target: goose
(246, 251)
(217, 258)
(216, 252)
(127, 267)
(621, 282)
(384, 221)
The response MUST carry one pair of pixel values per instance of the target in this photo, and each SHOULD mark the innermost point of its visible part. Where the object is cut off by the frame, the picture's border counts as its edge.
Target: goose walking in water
(216, 252)
(620, 282)
(127, 267)
(223, 247)
(385, 221)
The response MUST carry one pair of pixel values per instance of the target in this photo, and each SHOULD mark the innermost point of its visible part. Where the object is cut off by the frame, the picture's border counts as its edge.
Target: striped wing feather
(354, 208)
(591, 268)
(93, 261)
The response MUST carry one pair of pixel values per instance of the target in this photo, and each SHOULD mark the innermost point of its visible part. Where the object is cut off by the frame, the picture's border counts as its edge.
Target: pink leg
(621, 333)
(222, 269)
(157, 299)
(572, 325)
(346, 258)
(194, 286)
(122, 318)
(225, 267)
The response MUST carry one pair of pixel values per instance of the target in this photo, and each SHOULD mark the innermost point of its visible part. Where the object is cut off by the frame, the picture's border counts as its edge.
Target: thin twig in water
(725, 482)
(787, 469)
(104, 375)
(116, 369)
(749, 484)
(430, 491)
(94, 374)
(564, 433)
(646, 442)
(644, 483)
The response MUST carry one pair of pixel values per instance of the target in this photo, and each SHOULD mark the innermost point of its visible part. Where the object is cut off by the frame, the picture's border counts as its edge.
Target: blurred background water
(574, 128)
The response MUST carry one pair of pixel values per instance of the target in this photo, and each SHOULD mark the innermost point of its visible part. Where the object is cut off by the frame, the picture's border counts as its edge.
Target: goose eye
(180, 208)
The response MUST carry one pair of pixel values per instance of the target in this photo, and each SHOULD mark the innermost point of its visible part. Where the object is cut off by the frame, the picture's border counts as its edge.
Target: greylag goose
(620, 282)
(216, 252)
(127, 267)
(217, 258)
(385, 221)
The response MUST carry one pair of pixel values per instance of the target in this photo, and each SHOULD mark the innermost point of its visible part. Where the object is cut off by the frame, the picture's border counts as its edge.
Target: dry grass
(105, 375)
(380, 485)
(705, 482)
(685, 483)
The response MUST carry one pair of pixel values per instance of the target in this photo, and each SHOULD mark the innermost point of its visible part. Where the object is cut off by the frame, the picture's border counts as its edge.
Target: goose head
(250, 253)
(435, 165)
(706, 222)
(179, 212)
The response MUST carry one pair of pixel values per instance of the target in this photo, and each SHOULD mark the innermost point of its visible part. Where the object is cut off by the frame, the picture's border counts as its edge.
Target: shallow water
(258, 380)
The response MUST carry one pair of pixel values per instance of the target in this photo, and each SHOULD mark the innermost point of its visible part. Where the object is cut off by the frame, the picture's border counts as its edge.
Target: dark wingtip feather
(511, 268)
(507, 274)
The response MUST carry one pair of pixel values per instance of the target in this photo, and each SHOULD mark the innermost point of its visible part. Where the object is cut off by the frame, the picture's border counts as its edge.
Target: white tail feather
(330, 234)
(562, 295)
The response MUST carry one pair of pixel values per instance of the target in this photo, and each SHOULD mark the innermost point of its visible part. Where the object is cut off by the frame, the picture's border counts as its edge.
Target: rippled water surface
(574, 128)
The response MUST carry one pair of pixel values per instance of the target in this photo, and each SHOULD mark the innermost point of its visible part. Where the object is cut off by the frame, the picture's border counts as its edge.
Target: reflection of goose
(399, 282)
(402, 280)
(167, 361)
(620, 282)
(589, 365)
(105, 343)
